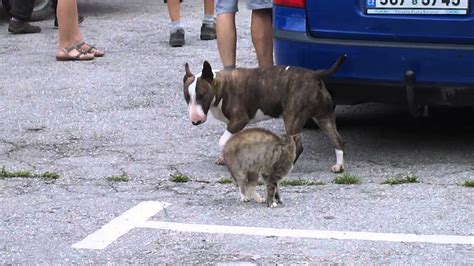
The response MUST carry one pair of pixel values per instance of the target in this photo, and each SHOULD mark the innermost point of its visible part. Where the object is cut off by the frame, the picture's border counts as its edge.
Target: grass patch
(118, 178)
(26, 174)
(225, 180)
(401, 180)
(469, 183)
(49, 175)
(347, 179)
(299, 182)
(179, 178)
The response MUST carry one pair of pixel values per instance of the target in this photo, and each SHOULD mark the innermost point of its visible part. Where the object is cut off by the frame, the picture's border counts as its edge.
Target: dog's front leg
(222, 141)
(234, 126)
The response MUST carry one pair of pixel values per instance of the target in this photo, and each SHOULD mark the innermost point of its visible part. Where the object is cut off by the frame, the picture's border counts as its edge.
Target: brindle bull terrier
(249, 95)
(257, 151)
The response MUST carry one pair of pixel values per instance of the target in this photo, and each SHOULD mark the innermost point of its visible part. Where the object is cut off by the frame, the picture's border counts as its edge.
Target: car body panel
(445, 64)
(347, 19)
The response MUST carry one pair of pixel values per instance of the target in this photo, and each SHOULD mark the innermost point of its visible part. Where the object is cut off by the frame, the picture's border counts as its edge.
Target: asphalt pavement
(123, 117)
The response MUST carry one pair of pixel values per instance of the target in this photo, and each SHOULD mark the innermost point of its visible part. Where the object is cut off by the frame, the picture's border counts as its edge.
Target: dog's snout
(196, 114)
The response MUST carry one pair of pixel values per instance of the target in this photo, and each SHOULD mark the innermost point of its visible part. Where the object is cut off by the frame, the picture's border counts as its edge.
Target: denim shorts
(231, 6)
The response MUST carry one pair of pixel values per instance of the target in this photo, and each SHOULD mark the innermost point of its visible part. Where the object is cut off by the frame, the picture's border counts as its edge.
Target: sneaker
(177, 38)
(208, 32)
(22, 27)
(80, 19)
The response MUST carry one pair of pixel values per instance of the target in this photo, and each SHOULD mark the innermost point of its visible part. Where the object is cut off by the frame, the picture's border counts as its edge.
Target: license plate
(418, 7)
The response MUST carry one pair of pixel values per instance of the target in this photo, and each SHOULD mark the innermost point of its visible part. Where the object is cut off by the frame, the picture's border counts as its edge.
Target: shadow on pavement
(443, 126)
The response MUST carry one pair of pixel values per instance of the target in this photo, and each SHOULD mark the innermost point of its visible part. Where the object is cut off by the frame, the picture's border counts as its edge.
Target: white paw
(260, 199)
(274, 205)
(337, 168)
(244, 198)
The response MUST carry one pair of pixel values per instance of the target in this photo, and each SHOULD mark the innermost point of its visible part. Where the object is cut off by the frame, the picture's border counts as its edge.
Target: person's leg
(69, 34)
(226, 39)
(176, 27)
(174, 10)
(208, 28)
(22, 9)
(54, 6)
(226, 32)
(262, 36)
(21, 12)
(262, 31)
(209, 7)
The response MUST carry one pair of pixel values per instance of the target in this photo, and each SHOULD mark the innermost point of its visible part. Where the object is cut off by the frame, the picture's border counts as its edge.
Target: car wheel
(42, 10)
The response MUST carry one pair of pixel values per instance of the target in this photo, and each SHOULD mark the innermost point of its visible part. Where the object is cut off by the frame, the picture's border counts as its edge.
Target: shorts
(231, 6)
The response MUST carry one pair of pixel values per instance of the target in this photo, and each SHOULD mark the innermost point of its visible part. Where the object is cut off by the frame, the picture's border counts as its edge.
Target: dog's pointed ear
(207, 72)
(188, 72)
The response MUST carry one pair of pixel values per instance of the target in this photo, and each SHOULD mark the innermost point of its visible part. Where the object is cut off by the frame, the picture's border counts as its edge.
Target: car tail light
(290, 3)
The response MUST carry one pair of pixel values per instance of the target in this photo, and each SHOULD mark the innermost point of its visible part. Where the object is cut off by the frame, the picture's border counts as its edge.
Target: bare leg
(173, 10)
(209, 7)
(262, 36)
(226, 39)
(69, 33)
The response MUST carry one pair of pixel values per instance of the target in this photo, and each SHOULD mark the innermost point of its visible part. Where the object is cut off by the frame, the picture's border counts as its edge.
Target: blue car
(414, 52)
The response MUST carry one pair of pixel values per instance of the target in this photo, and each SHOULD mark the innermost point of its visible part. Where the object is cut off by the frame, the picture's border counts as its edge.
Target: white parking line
(318, 234)
(121, 225)
(137, 217)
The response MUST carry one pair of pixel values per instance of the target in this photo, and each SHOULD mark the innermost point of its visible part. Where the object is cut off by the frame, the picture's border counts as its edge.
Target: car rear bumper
(375, 71)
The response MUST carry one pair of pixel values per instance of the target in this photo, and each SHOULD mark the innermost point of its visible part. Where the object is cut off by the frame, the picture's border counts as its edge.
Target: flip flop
(81, 56)
(91, 50)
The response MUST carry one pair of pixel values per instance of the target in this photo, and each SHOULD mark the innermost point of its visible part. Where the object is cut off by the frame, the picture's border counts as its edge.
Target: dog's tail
(328, 72)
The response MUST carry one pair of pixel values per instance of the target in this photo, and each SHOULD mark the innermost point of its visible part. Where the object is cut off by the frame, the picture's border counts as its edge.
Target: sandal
(89, 49)
(81, 56)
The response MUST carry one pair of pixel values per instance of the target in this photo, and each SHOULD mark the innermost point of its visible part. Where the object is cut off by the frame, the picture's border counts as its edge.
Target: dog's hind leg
(294, 125)
(251, 185)
(327, 124)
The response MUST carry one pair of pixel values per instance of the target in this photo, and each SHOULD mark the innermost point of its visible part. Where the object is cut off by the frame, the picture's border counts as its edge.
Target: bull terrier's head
(198, 93)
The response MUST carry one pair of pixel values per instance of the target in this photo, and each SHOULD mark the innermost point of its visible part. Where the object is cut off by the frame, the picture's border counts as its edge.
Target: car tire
(42, 10)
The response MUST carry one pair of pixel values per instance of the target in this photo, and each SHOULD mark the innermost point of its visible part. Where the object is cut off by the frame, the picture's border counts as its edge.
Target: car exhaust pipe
(415, 110)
